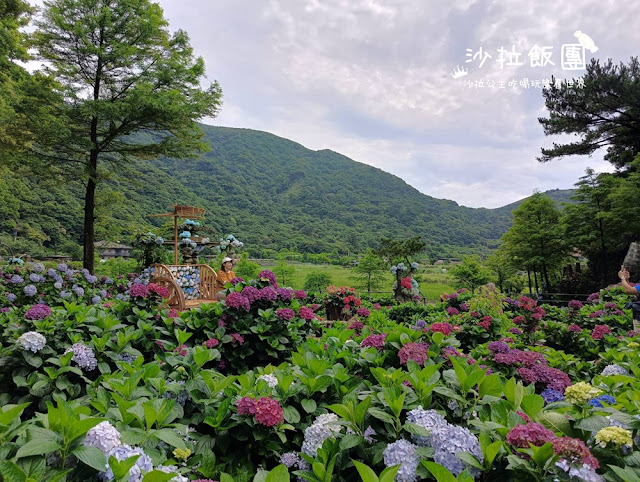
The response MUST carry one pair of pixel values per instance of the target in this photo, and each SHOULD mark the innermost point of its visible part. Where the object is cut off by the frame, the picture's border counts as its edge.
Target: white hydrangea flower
(322, 428)
(271, 380)
(172, 469)
(103, 436)
(32, 340)
(614, 369)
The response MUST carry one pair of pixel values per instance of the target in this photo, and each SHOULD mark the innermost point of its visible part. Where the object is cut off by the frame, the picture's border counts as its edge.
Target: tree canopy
(605, 113)
(536, 240)
(132, 90)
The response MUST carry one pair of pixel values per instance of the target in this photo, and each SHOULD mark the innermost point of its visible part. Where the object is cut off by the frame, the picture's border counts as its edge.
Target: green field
(433, 282)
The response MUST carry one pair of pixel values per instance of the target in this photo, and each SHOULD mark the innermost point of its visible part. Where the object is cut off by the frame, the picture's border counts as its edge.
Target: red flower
(162, 291)
(268, 412)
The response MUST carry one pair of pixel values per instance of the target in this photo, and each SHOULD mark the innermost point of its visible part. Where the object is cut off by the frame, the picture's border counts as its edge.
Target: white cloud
(371, 79)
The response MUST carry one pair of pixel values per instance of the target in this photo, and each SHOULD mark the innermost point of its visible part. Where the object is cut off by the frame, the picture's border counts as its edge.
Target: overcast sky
(371, 79)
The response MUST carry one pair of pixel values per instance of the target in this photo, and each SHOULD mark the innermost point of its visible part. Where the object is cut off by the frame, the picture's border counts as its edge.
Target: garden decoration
(189, 285)
(341, 303)
(190, 212)
(405, 288)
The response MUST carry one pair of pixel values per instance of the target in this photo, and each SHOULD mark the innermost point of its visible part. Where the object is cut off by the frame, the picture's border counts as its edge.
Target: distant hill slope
(560, 196)
(269, 192)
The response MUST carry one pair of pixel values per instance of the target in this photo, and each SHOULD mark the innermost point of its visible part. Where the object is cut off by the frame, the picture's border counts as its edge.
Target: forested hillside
(270, 192)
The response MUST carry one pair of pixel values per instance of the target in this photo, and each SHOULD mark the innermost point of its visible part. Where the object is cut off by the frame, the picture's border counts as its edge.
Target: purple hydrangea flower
(285, 314)
(402, 452)
(11, 297)
(83, 356)
(428, 419)
(103, 436)
(38, 312)
(16, 279)
(30, 290)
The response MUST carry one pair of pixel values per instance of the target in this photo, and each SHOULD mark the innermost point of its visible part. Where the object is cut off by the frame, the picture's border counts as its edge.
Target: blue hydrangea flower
(123, 452)
(91, 279)
(95, 300)
(64, 294)
(79, 291)
(551, 396)
(402, 452)
(401, 266)
(16, 279)
(11, 297)
(159, 240)
(428, 419)
(57, 286)
(30, 290)
(415, 265)
(62, 267)
(52, 272)
(452, 440)
(597, 402)
(34, 277)
(172, 469)
(614, 369)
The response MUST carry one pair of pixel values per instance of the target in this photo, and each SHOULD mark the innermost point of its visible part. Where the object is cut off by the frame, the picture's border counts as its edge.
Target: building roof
(110, 245)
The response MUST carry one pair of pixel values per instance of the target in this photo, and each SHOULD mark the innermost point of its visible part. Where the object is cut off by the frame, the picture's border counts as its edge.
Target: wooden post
(175, 234)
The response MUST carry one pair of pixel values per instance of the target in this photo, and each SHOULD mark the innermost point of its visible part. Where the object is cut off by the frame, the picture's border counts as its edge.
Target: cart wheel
(176, 296)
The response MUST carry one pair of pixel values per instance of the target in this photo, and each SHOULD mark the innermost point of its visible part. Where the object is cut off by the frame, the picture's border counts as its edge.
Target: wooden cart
(163, 275)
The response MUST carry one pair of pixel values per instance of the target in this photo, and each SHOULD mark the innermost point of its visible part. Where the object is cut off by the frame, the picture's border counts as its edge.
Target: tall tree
(605, 113)
(26, 100)
(470, 273)
(368, 271)
(501, 264)
(588, 219)
(132, 90)
(536, 239)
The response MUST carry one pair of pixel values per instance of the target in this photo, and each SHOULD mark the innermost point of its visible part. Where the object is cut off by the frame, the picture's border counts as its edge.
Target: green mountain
(270, 192)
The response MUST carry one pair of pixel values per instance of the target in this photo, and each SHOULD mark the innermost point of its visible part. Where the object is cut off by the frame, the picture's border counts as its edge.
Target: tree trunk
(89, 221)
(529, 276)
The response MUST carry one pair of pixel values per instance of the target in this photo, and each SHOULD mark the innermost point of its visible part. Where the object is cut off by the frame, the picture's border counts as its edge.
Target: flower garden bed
(101, 382)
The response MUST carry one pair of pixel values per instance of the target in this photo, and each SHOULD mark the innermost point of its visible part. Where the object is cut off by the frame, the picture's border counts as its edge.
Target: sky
(372, 79)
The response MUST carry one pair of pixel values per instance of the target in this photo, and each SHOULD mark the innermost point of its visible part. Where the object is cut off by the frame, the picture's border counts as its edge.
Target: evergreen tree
(369, 268)
(132, 90)
(470, 273)
(605, 113)
(536, 240)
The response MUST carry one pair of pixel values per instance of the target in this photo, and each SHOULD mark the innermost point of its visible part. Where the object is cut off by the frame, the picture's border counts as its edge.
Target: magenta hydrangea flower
(574, 328)
(599, 331)
(38, 312)
(593, 297)
(418, 352)
(375, 341)
(306, 313)
(138, 290)
(363, 312)
(268, 293)
(532, 433)
(286, 314)
(575, 304)
(211, 343)
(236, 280)
(236, 300)
(285, 294)
(237, 337)
(515, 331)
(300, 294)
(444, 328)
(247, 406)
(356, 325)
(269, 276)
(451, 311)
(161, 291)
